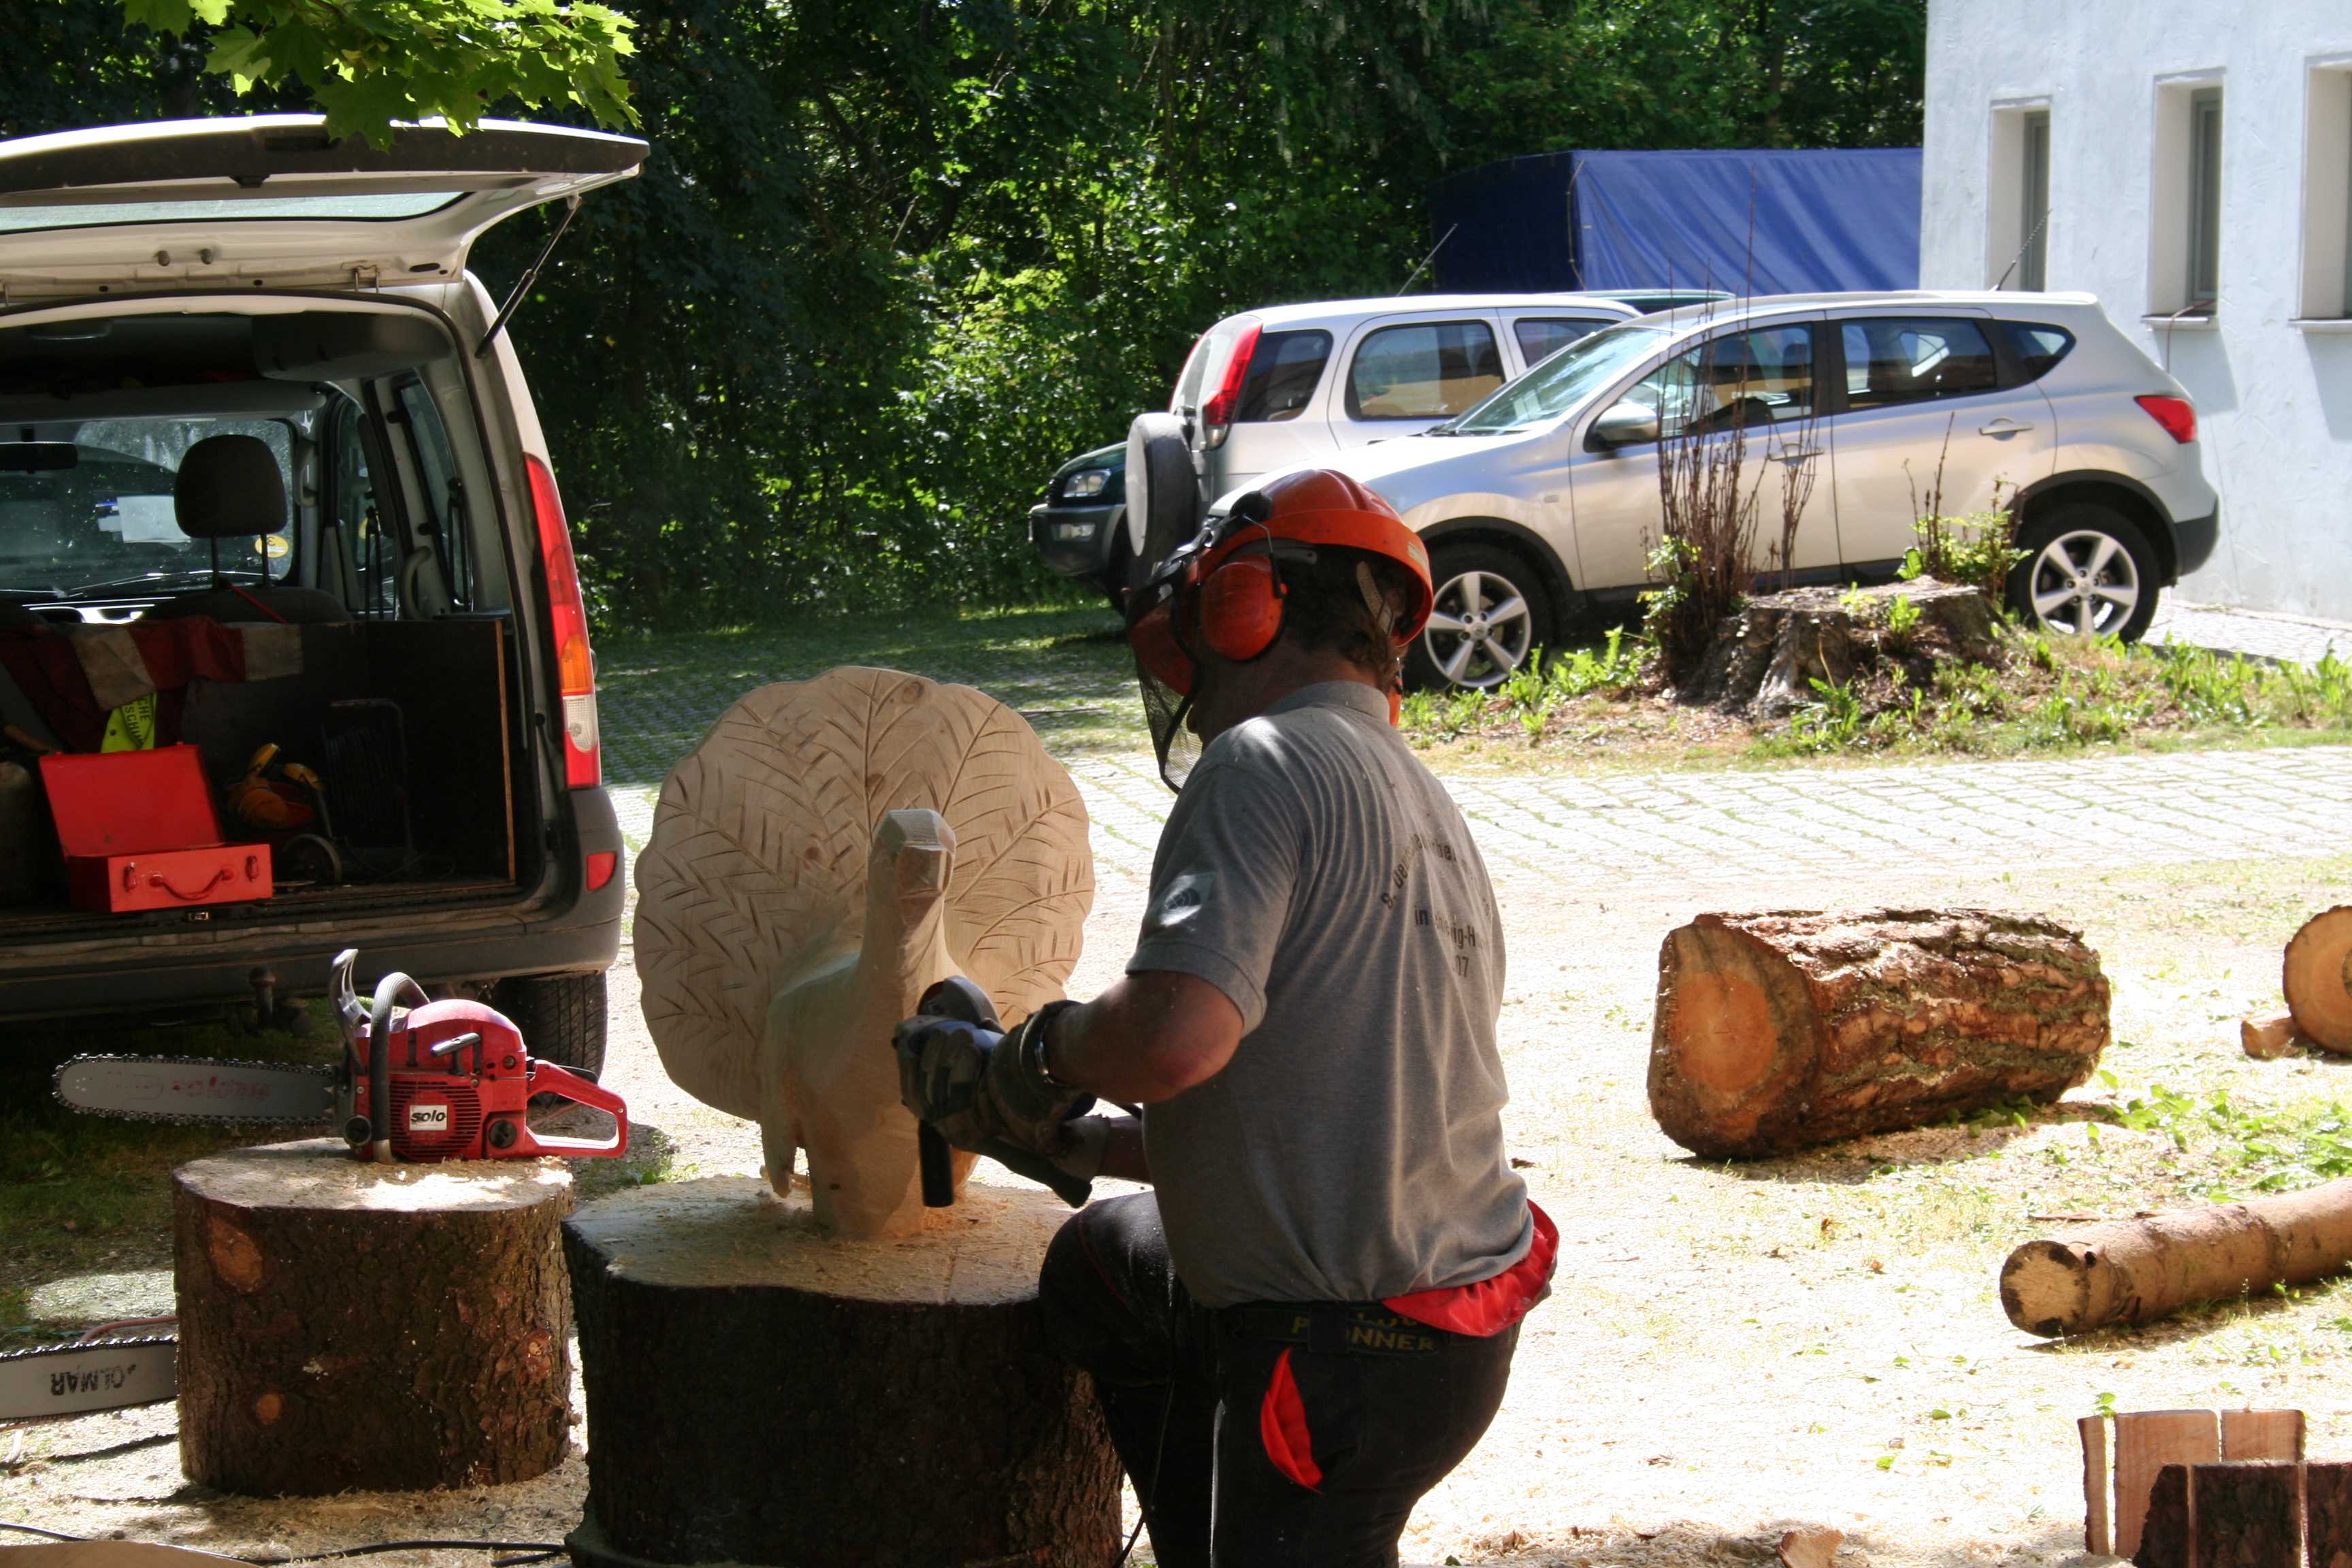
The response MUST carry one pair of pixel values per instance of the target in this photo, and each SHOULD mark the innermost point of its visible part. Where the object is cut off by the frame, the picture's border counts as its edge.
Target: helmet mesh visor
(1165, 709)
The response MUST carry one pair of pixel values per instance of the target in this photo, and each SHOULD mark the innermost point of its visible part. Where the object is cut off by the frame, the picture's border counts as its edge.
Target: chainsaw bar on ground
(197, 1090)
(73, 1380)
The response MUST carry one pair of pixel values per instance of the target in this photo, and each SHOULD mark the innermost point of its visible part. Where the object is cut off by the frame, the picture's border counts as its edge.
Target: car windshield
(103, 517)
(1559, 384)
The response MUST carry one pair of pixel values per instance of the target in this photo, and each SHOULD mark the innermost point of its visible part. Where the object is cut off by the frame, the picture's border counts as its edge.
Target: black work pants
(1183, 1388)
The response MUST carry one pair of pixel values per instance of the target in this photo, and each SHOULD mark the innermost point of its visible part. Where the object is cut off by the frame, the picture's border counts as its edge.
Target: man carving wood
(1311, 1320)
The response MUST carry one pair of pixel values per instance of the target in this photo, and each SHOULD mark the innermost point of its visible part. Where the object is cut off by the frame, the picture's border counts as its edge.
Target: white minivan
(270, 477)
(1542, 503)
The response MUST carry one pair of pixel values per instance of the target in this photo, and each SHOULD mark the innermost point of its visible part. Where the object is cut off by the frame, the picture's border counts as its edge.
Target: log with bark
(2317, 979)
(1779, 1031)
(763, 1391)
(347, 1325)
(2136, 1271)
(2232, 1514)
(1765, 656)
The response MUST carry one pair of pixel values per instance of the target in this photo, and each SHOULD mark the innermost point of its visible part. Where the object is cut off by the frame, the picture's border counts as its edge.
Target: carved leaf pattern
(757, 865)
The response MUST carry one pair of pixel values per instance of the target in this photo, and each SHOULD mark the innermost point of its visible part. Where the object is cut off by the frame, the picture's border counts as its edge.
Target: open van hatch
(270, 201)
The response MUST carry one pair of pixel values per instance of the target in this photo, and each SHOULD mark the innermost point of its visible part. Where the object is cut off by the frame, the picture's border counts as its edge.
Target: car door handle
(2004, 426)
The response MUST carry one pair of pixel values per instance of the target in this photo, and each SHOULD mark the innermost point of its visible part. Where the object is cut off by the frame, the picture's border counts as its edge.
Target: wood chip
(1809, 1546)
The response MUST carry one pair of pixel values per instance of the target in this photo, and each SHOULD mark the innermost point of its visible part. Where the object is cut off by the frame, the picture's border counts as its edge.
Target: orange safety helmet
(1222, 590)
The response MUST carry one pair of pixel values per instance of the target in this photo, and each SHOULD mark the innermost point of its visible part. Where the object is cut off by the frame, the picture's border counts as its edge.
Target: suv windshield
(106, 519)
(1559, 384)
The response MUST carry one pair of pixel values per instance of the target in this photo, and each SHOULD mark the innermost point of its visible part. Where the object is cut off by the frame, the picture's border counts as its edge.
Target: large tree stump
(760, 1392)
(382, 1327)
(1765, 656)
(1778, 1031)
(2317, 979)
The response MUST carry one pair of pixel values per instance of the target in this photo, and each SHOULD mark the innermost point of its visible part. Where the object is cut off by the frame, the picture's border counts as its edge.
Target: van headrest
(229, 487)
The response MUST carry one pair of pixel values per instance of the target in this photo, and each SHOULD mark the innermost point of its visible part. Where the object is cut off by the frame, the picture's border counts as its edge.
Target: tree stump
(762, 1392)
(346, 1325)
(1779, 1031)
(2317, 980)
(1765, 657)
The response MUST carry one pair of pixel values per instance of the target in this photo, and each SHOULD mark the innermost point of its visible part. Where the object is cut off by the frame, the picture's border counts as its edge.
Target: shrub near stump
(348, 1326)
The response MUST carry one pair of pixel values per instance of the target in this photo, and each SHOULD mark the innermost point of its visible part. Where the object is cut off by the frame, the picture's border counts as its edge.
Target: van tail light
(600, 867)
(1217, 414)
(2177, 415)
(575, 665)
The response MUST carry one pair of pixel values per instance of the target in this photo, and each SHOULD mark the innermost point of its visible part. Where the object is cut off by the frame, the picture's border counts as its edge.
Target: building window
(2205, 196)
(2017, 250)
(2327, 293)
(2184, 260)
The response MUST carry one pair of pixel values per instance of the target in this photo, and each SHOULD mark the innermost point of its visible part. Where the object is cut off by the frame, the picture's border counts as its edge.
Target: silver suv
(1283, 384)
(1542, 501)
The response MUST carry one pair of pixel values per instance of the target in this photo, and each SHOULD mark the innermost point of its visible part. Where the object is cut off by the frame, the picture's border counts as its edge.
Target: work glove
(976, 1086)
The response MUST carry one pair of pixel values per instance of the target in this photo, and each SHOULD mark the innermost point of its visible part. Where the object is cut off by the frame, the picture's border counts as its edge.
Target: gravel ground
(1729, 1350)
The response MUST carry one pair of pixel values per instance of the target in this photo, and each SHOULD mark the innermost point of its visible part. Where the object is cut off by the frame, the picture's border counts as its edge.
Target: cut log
(2262, 1434)
(1764, 658)
(1778, 1031)
(346, 1325)
(2147, 1443)
(2328, 1515)
(2317, 979)
(760, 1392)
(2267, 1037)
(2234, 1514)
(2135, 1271)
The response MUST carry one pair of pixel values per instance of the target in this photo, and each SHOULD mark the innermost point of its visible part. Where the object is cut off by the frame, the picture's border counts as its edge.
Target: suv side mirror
(1625, 424)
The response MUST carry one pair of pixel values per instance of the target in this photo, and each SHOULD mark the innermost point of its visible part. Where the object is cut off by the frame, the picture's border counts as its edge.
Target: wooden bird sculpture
(830, 849)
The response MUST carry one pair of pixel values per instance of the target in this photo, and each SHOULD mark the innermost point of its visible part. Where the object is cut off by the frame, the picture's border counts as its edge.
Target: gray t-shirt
(1352, 1150)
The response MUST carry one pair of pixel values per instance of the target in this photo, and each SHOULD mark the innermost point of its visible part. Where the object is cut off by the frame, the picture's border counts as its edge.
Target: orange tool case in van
(139, 833)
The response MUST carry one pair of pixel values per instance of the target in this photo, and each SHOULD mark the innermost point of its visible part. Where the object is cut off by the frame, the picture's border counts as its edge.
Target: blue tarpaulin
(1775, 222)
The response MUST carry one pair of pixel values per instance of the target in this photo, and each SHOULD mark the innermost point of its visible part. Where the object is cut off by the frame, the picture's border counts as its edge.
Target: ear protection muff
(1240, 607)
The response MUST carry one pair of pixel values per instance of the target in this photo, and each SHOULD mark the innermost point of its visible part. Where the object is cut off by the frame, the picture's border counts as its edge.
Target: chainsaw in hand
(420, 1080)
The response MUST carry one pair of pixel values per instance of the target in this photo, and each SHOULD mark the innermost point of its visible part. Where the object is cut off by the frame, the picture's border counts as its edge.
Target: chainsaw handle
(546, 1077)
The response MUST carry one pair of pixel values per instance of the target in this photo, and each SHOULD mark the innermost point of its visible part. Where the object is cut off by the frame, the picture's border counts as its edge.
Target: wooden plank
(2246, 1515)
(2098, 1534)
(2262, 1434)
(2328, 1515)
(2146, 1441)
(2164, 1528)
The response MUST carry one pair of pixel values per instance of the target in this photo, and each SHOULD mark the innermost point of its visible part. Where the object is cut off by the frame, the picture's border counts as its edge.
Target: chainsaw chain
(57, 1081)
(76, 1347)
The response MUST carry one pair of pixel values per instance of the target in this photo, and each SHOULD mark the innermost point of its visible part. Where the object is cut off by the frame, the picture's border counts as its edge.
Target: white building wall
(2273, 390)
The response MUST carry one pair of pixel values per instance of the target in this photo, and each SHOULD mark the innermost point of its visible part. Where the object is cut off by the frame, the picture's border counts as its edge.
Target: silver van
(272, 484)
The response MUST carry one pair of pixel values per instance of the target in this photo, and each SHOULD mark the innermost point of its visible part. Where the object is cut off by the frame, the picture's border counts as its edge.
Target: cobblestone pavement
(1694, 828)
(2264, 636)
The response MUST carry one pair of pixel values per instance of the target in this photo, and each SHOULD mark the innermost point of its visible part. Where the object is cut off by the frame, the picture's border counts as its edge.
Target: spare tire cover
(1164, 497)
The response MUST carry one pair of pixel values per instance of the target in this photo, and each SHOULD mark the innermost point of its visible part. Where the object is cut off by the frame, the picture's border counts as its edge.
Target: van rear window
(1283, 375)
(377, 207)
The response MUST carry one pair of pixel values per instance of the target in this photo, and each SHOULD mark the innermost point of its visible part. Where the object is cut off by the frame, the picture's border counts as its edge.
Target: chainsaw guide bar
(198, 1090)
(74, 1380)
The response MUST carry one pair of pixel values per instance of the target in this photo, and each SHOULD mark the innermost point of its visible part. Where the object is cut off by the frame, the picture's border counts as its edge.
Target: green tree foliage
(889, 264)
(368, 65)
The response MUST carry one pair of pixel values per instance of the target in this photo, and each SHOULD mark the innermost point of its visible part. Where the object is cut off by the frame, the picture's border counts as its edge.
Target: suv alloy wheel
(1489, 614)
(2087, 572)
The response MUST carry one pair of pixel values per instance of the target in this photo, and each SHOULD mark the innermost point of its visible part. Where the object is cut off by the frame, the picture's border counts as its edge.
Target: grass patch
(1068, 671)
(2054, 694)
(81, 1195)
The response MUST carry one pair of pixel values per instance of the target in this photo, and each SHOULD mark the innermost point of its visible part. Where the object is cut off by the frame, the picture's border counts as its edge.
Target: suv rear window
(1909, 358)
(2039, 348)
(1430, 370)
(1282, 376)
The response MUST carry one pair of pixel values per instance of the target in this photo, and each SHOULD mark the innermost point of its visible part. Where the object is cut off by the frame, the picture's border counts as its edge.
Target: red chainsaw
(420, 1080)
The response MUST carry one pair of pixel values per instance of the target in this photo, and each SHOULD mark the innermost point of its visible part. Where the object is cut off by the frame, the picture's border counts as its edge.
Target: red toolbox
(139, 833)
